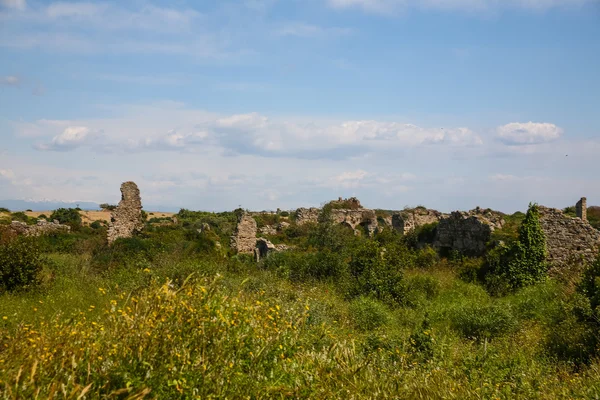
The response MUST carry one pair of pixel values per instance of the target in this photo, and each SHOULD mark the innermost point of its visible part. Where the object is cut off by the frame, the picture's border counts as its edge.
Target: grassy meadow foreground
(173, 314)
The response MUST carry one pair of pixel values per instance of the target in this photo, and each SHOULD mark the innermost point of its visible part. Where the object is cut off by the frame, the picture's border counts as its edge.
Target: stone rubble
(42, 227)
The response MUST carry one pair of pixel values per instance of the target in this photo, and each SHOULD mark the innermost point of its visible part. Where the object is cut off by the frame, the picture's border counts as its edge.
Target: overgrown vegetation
(522, 263)
(172, 313)
(67, 216)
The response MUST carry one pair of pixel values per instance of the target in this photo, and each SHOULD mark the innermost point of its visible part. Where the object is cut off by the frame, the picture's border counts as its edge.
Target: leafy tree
(107, 207)
(524, 262)
(68, 216)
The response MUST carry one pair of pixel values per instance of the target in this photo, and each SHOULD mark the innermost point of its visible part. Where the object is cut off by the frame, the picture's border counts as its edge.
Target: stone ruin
(581, 209)
(42, 227)
(408, 220)
(126, 219)
(467, 232)
(264, 247)
(307, 215)
(243, 240)
(568, 239)
(353, 216)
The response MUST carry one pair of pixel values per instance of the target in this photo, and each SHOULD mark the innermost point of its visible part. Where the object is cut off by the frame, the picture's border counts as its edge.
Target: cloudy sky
(286, 103)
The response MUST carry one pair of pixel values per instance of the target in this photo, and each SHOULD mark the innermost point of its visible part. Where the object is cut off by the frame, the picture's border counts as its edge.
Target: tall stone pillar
(581, 209)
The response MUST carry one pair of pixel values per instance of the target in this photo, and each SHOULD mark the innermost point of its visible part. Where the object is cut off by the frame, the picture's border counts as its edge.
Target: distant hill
(22, 205)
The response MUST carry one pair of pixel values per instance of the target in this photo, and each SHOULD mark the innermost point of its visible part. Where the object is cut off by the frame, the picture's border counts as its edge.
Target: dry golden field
(91, 216)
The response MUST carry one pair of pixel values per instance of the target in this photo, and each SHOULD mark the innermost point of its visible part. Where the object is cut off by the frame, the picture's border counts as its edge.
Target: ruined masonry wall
(126, 219)
(567, 238)
(244, 238)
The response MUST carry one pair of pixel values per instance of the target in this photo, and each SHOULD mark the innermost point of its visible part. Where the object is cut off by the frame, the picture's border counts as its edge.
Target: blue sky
(286, 103)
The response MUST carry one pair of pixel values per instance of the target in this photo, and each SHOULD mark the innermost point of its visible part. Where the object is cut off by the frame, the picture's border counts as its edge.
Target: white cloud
(10, 80)
(15, 4)
(252, 133)
(71, 138)
(518, 133)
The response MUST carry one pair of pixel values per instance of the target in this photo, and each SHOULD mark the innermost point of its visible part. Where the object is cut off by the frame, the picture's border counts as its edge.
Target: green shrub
(4, 210)
(368, 314)
(22, 217)
(96, 225)
(426, 257)
(484, 322)
(421, 235)
(523, 263)
(324, 265)
(421, 341)
(20, 264)
(107, 207)
(67, 216)
(377, 272)
(470, 269)
(573, 334)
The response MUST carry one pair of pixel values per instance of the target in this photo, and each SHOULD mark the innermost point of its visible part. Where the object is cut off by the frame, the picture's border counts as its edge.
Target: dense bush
(4, 210)
(421, 235)
(20, 264)
(377, 272)
(67, 216)
(524, 262)
(22, 217)
(575, 335)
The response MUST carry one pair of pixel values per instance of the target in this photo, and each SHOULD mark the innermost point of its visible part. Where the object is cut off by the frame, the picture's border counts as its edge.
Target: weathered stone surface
(282, 226)
(407, 220)
(355, 218)
(268, 230)
(467, 232)
(243, 240)
(568, 239)
(42, 227)
(307, 215)
(265, 247)
(126, 219)
(581, 209)
(351, 203)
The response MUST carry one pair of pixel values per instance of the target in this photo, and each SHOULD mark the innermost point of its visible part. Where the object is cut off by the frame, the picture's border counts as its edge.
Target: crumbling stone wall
(307, 215)
(567, 238)
(264, 248)
(467, 232)
(581, 209)
(42, 227)
(351, 203)
(356, 218)
(243, 240)
(126, 219)
(407, 220)
(462, 232)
